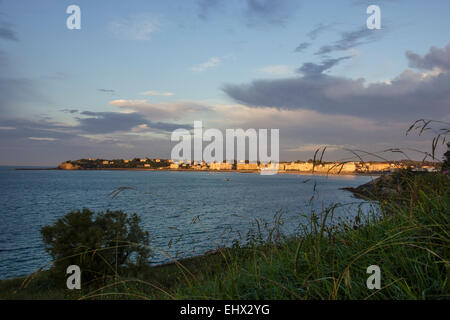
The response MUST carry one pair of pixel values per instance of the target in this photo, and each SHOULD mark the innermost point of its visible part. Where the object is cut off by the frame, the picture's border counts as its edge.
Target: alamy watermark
(74, 280)
(374, 20)
(190, 147)
(73, 21)
(374, 280)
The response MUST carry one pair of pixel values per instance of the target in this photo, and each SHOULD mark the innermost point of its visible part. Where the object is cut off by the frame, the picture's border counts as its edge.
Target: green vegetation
(136, 163)
(397, 187)
(102, 245)
(408, 238)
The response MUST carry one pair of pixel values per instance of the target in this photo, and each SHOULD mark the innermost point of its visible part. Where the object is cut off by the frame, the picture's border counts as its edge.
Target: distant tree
(101, 244)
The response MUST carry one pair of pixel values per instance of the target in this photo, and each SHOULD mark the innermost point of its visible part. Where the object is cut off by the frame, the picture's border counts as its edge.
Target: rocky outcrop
(382, 187)
(68, 166)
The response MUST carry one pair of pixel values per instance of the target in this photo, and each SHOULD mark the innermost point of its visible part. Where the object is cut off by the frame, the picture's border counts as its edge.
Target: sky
(139, 69)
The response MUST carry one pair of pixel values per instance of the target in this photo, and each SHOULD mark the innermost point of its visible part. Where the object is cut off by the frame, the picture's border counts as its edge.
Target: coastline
(210, 171)
(414, 218)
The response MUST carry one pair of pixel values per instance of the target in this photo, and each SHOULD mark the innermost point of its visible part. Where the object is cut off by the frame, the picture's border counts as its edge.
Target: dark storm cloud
(302, 46)
(109, 122)
(310, 69)
(350, 40)
(436, 58)
(408, 97)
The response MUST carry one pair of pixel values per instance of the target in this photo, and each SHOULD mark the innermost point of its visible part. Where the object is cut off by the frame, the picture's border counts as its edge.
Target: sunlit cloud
(157, 93)
(161, 110)
(42, 138)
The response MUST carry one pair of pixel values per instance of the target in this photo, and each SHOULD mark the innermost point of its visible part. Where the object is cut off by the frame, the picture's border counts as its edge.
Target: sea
(186, 213)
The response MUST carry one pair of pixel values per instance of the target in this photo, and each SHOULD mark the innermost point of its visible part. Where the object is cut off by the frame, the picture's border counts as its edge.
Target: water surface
(166, 201)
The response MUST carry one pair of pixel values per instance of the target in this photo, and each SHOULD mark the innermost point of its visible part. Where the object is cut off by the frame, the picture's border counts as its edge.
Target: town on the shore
(310, 166)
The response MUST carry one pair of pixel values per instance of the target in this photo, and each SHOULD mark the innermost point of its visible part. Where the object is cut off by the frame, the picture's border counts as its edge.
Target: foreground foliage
(408, 239)
(101, 244)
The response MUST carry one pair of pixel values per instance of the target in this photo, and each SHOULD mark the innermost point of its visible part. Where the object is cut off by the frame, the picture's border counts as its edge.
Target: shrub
(101, 244)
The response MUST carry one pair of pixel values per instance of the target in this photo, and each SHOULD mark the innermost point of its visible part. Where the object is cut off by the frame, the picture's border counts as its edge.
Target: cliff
(68, 166)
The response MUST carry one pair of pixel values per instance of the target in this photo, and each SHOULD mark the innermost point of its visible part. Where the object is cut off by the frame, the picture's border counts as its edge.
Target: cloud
(42, 139)
(169, 127)
(302, 46)
(7, 31)
(107, 90)
(277, 70)
(70, 110)
(310, 69)
(157, 93)
(161, 110)
(209, 64)
(298, 128)
(253, 13)
(135, 27)
(302, 131)
(206, 6)
(318, 29)
(43, 142)
(7, 128)
(436, 58)
(108, 122)
(408, 96)
(350, 40)
(18, 128)
(269, 12)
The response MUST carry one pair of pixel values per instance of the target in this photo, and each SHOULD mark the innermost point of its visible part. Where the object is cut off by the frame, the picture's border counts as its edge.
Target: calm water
(166, 201)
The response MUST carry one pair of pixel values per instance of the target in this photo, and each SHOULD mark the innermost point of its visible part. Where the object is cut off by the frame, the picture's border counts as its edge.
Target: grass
(409, 242)
(408, 239)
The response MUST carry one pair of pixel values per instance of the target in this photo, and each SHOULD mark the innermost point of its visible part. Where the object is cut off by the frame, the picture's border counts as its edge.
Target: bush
(101, 244)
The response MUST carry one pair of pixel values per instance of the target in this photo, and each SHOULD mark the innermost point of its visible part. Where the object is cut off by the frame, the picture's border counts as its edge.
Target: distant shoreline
(20, 169)
(209, 170)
